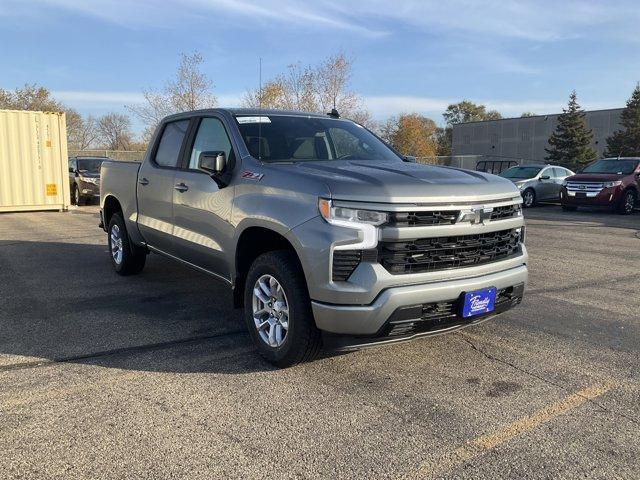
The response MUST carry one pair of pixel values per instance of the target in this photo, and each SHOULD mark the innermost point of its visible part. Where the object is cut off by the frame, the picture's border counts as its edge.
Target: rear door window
(168, 152)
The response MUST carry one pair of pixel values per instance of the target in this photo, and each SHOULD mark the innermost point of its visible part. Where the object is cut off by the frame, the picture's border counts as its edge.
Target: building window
(466, 139)
(525, 136)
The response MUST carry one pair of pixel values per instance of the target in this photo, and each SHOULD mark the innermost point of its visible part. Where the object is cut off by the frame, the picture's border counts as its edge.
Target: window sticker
(253, 120)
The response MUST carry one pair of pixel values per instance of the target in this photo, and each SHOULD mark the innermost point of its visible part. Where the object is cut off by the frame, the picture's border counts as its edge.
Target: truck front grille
(445, 217)
(591, 189)
(440, 253)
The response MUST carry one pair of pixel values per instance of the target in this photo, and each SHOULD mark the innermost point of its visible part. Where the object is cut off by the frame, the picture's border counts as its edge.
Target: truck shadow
(62, 302)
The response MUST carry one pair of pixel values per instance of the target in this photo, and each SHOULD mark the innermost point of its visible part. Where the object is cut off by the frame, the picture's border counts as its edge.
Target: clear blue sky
(97, 55)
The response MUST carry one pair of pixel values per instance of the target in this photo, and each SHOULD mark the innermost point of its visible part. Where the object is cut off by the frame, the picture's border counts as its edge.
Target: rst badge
(252, 175)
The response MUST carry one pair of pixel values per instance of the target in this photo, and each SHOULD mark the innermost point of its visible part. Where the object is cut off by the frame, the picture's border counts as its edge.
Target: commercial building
(525, 139)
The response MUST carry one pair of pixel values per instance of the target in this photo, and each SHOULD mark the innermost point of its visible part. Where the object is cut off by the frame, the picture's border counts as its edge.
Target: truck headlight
(616, 183)
(340, 215)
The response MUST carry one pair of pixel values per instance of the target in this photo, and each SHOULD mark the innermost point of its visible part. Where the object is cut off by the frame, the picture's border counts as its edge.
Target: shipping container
(34, 169)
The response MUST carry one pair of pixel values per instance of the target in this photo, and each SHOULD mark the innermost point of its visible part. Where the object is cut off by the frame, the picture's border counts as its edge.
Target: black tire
(528, 198)
(569, 208)
(627, 203)
(303, 340)
(74, 195)
(132, 259)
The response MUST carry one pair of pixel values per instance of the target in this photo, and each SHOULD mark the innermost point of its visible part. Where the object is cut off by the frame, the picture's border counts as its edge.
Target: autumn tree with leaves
(411, 134)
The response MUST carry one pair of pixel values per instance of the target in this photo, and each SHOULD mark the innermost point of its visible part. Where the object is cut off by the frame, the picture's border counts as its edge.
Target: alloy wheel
(528, 198)
(270, 311)
(629, 201)
(115, 244)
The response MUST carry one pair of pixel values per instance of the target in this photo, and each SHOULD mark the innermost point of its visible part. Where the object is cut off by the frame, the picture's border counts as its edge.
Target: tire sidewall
(533, 198)
(116, 219)
(623, 203)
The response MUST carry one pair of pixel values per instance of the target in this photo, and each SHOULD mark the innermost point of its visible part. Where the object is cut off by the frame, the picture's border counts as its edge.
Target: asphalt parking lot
(152, 376)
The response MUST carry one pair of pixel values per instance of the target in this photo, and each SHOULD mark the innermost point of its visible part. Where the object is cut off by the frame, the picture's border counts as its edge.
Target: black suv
(84, 179)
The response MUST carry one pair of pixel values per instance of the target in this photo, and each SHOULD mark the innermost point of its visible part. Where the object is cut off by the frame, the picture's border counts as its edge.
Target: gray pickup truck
(325, 235)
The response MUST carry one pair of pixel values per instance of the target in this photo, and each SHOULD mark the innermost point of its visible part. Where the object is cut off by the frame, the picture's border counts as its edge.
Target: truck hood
(594, 177)
(403, 182)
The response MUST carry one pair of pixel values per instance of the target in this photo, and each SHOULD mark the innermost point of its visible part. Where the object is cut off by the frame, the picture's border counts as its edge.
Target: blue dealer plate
(479, 302)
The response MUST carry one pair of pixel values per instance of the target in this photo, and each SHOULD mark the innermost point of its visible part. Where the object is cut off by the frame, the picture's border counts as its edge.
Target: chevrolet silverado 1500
(324, 234)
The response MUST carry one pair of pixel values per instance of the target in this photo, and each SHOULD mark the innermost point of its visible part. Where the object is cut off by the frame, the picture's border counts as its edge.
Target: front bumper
(395, 304)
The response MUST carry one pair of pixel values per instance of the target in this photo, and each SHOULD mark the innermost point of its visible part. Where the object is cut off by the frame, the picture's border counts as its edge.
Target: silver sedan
(537, 182)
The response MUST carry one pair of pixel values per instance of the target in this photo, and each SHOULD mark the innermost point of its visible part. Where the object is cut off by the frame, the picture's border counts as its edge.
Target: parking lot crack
(493, 358)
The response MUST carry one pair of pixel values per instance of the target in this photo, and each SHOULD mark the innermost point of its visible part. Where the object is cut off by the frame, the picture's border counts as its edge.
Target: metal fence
(470, 162)
(124, 155)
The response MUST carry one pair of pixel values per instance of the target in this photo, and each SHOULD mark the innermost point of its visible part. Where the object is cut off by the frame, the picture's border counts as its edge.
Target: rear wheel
(126, 258)
(278, 312)
(528, 198)
(627, 202)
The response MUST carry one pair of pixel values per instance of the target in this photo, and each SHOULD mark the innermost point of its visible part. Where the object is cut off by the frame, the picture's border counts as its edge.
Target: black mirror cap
(410, 159)
(214, 163)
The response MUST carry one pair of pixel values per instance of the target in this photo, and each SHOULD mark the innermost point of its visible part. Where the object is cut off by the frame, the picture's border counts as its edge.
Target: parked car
(84, 179)
(609, 182)
(324, 234)
(537, 182)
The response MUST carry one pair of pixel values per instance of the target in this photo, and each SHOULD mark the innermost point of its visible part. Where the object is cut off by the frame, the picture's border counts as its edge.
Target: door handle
(181, 187)
(143, 181)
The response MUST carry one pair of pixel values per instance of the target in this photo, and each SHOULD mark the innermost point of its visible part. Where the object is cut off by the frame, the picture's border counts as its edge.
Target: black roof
(248, 111)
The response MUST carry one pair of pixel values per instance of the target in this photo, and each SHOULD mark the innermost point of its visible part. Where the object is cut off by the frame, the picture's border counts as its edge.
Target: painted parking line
(448, 461)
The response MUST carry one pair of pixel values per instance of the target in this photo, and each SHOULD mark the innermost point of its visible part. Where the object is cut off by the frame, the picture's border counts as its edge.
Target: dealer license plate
(479, 302)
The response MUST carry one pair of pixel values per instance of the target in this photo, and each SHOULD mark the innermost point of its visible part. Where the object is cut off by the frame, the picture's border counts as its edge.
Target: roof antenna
(334, 113)
(260, 110)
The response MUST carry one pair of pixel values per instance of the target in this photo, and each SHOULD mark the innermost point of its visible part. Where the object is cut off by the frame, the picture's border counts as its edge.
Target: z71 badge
(252, 175)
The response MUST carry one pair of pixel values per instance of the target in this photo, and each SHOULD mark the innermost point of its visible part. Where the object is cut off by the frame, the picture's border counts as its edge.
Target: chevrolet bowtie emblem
(475, 215)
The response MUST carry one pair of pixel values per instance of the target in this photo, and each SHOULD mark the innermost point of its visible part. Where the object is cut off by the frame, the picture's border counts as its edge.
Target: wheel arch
(253, 241)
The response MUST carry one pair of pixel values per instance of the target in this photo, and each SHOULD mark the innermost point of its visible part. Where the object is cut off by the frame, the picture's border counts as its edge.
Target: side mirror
(410, 159)
(71, 170)
(545, 177)
(214, 163)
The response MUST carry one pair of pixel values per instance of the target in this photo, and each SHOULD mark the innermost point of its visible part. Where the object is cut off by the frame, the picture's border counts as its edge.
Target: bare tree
(82, 132)
(114, 131)
(313, 89)
(190, 89)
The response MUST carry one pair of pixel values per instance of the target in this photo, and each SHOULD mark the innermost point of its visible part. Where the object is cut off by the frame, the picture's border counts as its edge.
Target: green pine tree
(570, 144)
(626, 141)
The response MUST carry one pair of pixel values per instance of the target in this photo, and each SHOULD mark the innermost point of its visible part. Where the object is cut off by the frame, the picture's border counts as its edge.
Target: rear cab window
(168, 152)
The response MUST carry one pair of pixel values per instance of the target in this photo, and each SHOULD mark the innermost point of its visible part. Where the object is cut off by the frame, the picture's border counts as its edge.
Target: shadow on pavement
(63, 302)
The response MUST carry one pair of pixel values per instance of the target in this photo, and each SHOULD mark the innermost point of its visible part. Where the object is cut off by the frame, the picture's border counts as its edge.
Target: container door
(155, 187)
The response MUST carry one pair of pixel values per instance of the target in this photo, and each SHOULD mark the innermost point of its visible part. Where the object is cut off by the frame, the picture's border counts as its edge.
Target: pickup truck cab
(325, 235)
(609, 182)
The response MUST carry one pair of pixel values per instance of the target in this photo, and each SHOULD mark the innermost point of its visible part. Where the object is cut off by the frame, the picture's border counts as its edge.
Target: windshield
(89, 165)
(621, 167)
(277, 138)
(521, 172)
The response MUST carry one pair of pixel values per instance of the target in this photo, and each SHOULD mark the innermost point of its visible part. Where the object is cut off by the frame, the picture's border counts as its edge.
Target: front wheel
(278, 312)
(127, 259)
(627, 202)
(528, 198)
